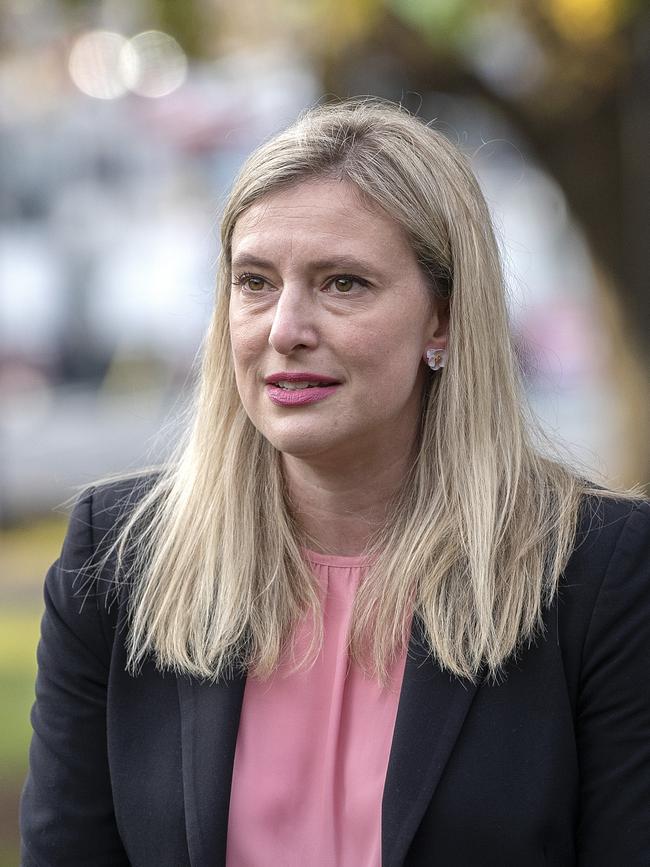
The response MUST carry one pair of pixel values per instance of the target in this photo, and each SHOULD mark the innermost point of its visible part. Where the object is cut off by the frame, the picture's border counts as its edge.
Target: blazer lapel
(432, 708)
(431, 712)
(209, 722)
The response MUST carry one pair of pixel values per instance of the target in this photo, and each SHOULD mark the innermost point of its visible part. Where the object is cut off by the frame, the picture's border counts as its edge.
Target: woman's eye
(343, 285)
(250, 282)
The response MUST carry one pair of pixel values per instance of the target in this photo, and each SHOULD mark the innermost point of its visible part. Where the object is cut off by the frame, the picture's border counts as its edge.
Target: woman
(359, 619)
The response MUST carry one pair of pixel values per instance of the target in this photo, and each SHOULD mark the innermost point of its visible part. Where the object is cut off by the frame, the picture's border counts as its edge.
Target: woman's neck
(340, 507)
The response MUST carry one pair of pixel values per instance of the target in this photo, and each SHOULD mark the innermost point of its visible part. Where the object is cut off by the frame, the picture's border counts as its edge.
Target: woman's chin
(305, 444)
(304, 447)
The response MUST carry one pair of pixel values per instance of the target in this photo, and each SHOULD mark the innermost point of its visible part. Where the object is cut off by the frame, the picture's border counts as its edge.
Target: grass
(18, 638)
(19, 632)
(27, 551)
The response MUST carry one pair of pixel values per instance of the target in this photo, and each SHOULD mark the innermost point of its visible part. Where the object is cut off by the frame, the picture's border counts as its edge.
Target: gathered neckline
(348, 560)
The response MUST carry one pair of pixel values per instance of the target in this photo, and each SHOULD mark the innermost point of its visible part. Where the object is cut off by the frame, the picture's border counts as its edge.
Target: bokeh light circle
(95, 64)
(153, 64)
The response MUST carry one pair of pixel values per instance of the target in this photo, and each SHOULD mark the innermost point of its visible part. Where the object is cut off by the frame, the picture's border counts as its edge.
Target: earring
(436, 358)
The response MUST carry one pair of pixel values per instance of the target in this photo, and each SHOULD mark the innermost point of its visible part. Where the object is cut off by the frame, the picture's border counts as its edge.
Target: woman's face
(328, 288)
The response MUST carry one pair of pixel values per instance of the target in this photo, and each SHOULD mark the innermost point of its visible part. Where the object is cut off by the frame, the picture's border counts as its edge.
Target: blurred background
(122, 125)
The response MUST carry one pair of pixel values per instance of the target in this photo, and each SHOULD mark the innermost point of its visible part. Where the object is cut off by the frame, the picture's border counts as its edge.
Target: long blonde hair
(484, 524)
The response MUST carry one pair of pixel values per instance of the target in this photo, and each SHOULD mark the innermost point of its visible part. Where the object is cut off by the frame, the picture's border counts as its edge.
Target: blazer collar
(431, 712)
(432, 708)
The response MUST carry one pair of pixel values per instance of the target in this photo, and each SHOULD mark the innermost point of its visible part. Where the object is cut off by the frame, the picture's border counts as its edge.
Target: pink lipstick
(317, 386)
(299, 396)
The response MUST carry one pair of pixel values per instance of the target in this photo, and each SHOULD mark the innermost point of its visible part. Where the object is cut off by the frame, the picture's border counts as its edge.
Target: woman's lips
(299, 396)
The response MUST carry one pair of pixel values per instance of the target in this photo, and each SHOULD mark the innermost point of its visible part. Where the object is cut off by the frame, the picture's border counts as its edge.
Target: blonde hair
(484, 524)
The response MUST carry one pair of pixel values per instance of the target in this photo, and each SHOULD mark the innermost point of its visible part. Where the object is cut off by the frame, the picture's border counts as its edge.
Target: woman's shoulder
(608, 521)
(606, 582)
(107, 501)
(83, 579)
(603, 596)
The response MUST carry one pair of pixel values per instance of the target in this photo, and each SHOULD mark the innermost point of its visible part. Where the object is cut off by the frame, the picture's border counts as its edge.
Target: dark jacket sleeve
(66, 813)
(613, 720)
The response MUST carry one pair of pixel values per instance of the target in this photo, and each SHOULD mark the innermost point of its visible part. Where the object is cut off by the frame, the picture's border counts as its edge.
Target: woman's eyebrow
(342, 263)
(331, 263)
(247, 260)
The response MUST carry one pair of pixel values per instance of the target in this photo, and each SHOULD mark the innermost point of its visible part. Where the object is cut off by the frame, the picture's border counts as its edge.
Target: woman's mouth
(292, 386)
(285, 393)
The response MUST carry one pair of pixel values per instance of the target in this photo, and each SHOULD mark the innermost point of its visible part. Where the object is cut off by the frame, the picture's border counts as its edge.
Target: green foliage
(185, 23)
(442, 22)
(18, 639)
(19, 630)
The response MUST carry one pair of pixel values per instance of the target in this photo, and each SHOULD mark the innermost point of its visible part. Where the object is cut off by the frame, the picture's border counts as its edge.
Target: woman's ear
(439, 326)
(435, 352)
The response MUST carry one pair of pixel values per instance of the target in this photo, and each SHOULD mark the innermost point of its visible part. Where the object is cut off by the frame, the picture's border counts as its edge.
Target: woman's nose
(293, 325)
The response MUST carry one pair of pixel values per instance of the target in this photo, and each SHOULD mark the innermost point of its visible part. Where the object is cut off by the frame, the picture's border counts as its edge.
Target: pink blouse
(313, 747)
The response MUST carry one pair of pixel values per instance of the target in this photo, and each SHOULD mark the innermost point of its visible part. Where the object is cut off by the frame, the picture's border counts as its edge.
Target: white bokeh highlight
(153, 64)
(95, 64)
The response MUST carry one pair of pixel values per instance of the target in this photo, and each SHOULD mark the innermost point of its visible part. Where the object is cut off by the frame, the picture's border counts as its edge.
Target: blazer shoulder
(605, 522)
(611, 550)
(614, 553)
(111, 501)
(83, 580)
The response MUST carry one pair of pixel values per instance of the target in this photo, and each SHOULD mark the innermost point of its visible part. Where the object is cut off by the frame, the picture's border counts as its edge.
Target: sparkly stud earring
(436, 358)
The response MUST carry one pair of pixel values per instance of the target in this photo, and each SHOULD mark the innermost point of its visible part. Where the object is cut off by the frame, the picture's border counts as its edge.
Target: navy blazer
(549, 767)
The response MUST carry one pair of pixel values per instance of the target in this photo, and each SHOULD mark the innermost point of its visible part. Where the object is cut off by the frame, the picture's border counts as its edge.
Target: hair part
(482, 529)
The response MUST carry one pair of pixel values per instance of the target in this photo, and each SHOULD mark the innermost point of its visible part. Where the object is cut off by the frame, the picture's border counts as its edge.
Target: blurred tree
(573, 76)
(188, 23)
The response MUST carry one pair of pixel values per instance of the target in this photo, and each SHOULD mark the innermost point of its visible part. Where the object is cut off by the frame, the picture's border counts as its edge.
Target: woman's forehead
(316, 217)
(300, 200)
